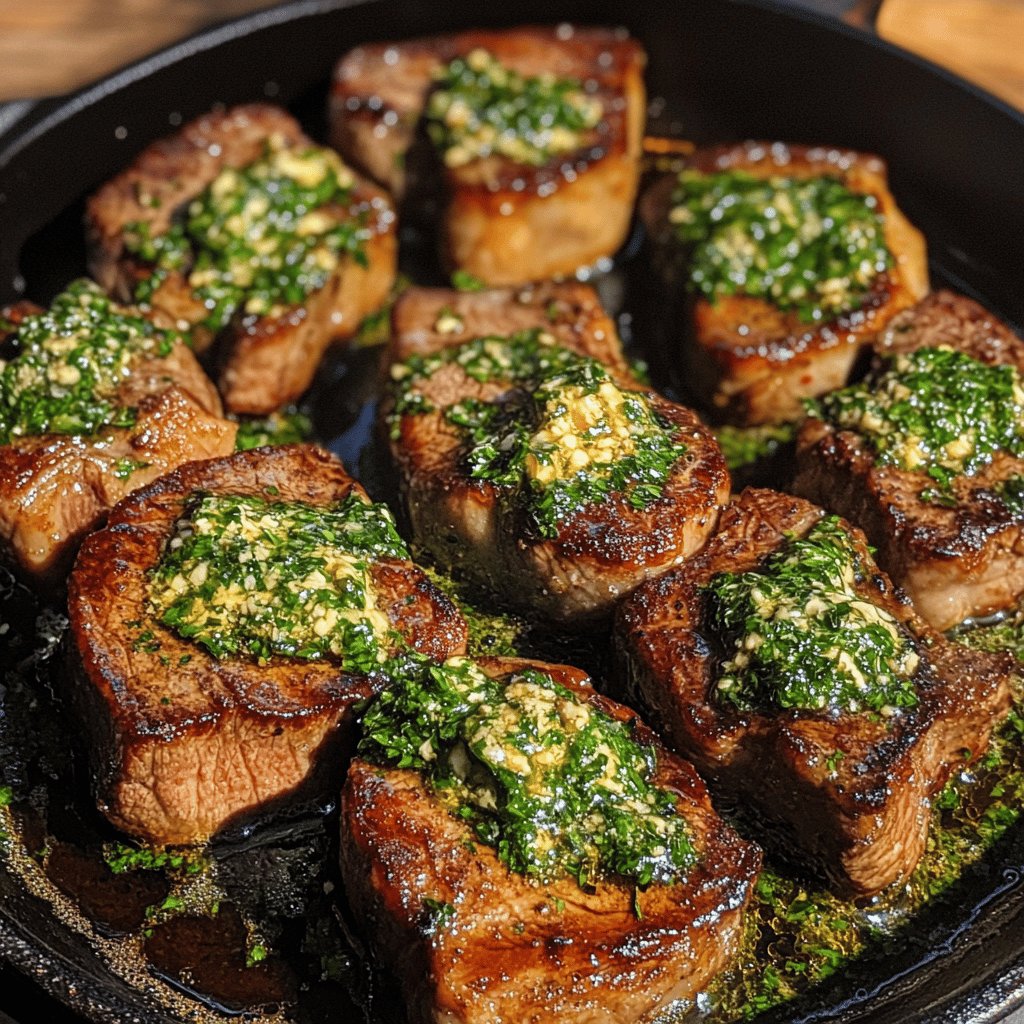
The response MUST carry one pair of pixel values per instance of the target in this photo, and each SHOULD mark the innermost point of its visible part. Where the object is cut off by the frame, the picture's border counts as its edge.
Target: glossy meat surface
(851, 792)
(753, 361)
(955, 560)
(601, 551)
(55, 488)
(264, 361)
(181, 743)
(505, 222)
(515, 951)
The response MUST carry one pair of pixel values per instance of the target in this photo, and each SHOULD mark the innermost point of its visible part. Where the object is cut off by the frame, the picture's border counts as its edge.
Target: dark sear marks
(158, 707)
(850, 789)
(523, 458)
(793, 258)
(475, 942)
(531, 138)
(926, 457)
(241, 227)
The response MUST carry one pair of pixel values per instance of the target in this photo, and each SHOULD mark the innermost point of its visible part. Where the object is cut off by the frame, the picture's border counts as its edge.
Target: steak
(958, 557)
(57, 487)
(505, 221)
(265, 359)
(851, 791)
(183, 743)
(755, 360)
(602, 549)
(516, 950)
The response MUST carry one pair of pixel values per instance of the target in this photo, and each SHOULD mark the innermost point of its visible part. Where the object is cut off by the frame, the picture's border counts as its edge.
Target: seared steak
(958, 551)
(512, 216)
(589, 551)
(58, 479)
(475, 942)
(271, 343)
(182, 742)
(755, 360)
(852, 791)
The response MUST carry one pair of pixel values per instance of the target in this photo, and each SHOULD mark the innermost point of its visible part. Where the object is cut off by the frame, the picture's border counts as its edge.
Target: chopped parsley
(259, 238)
(122, 858)
(247, 576)
(809, 245)
(285, 426)
(1011, 493)
(480, 107)
(562, 437)
(796, 634)
(935, 411)
(70, 363)
(556, 786)
(743, 446)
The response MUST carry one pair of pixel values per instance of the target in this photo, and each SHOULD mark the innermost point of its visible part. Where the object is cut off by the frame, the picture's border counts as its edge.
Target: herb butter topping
(555, 785)
(796, 633)
(246, 576)
(259, 238)
(70, 363)
(482, 108)
(565, 436)
(809, 245)
(934, 410)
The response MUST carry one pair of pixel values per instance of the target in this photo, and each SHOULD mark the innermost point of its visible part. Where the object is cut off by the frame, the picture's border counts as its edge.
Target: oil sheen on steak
(265, 361)
(852, 792)
(522, 953)
(754, 360)
(505, 222)
(955, 561)
(602, 551)
(182, 743)
(55, 488)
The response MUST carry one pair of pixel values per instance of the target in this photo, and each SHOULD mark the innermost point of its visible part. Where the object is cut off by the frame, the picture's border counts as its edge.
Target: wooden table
(53, 46)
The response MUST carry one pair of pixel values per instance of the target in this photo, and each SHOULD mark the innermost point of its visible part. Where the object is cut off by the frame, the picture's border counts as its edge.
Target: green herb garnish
(71, 361)
(934, 411)
(259, 238)
(809, 245)
(480, 107)
(554, 785)
(246, 576)
(562, 437)
(795, 633)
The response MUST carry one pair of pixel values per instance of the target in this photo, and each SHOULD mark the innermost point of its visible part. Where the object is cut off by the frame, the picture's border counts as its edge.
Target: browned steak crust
(505, 222)
(518, 951)
(55, 488)
(755, 361)
(851, 791)
(182, 743)
(601, 552)
(265, 361)
(955, 562)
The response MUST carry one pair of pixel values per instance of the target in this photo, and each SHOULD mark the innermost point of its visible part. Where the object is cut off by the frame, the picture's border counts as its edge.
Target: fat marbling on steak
(183, 742)
(850, 790)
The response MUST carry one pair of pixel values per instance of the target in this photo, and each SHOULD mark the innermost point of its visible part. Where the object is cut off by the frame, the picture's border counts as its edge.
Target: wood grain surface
(54, 46)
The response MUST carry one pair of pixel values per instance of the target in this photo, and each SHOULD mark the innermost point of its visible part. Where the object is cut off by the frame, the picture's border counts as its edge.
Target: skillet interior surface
(718, 71)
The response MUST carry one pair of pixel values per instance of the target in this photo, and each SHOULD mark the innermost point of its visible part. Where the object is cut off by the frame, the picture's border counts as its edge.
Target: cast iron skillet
(725, 69)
